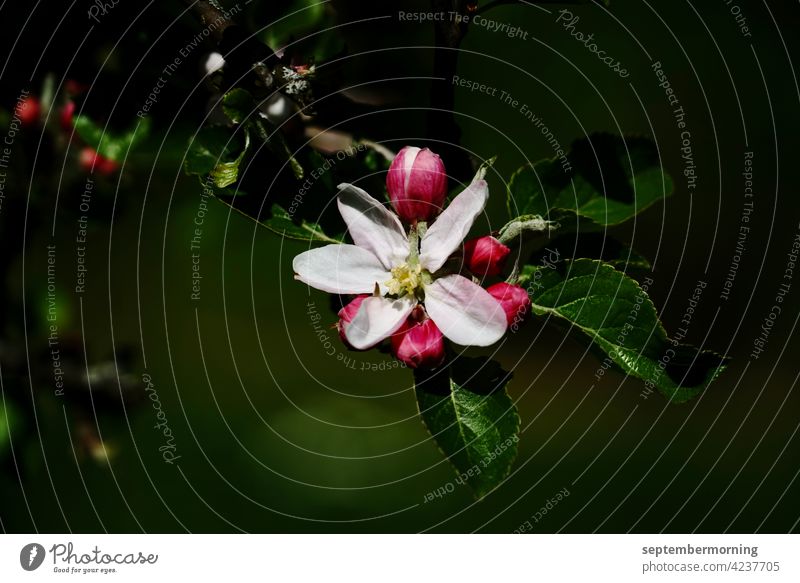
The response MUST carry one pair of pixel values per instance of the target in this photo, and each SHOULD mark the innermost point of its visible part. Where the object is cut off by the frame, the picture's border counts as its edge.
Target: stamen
(405, 279)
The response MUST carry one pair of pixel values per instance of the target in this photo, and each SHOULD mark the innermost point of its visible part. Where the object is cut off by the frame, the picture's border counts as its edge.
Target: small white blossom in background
(214, 62)
(296, 79)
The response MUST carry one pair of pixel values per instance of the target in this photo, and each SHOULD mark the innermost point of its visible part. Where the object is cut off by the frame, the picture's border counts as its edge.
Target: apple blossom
(403, 271)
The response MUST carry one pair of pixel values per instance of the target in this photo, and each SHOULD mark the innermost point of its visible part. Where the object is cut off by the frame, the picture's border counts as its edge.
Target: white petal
(464, 311)
(409, 157)
(373, 226)
(448, 231)
(377, 318)
(214, 62)
(340, 269)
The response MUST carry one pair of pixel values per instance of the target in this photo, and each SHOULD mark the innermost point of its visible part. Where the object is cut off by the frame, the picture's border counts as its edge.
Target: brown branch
(249, 61)
(442, 125)
(210, 12)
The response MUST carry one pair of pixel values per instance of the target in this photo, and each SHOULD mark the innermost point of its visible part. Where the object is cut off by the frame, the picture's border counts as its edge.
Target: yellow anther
(405, 279)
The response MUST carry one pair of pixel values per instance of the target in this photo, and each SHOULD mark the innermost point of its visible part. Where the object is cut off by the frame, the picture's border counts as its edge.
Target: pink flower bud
(91, 161)
(417, 184)
(347, 314)
(485, 256)
(28, 111)
(66, 115)
(74, 87)
(419, 344)
(514, 300)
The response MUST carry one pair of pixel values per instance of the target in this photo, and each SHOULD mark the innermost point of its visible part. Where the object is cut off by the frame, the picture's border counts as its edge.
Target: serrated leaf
(278, 145)
(308, 28)
(619, 317)
(217, 153)
(238, 105)
(301, 16)
(297, 168)
(591, 246)
(472, 419)
(108, 144)
(302, 209)
(611, 180)
(375, 161)
(283, 223)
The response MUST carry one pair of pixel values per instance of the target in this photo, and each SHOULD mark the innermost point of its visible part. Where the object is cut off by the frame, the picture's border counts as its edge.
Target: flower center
(406, 279)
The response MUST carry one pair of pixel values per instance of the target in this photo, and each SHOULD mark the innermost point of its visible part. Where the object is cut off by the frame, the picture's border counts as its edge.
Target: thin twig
(442, 125)
(208, 12)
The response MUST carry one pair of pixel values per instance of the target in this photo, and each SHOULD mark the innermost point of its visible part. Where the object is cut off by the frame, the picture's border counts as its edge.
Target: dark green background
(276, 436)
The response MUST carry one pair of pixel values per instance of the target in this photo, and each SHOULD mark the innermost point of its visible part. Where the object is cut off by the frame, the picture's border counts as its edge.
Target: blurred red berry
(66, 115)
(28, 111)
(73, 87)
(91, 161)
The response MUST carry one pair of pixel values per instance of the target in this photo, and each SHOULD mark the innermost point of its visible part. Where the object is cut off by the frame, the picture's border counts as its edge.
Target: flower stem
(413, 244)
(422, 228)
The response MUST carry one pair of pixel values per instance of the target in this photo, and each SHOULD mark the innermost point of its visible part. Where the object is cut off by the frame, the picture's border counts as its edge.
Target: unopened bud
(419, 344)
(417, 184)
(485, 256)
(514, 300)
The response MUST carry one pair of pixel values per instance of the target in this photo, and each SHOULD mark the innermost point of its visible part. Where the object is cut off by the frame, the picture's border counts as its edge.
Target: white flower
(385, 261)
(296, 79)
(214, 62)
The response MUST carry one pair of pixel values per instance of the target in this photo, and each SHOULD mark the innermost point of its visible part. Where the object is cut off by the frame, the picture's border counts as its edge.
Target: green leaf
(284, 224)
(8, 422)
(618, 316)
(110, 145)
(277, 144)
(610, 180)
(472, 419)
(297, 168)
(302, 17)
(301, 207)
(238, 105)
(217, 153)
(308, 27)
(600, 246)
